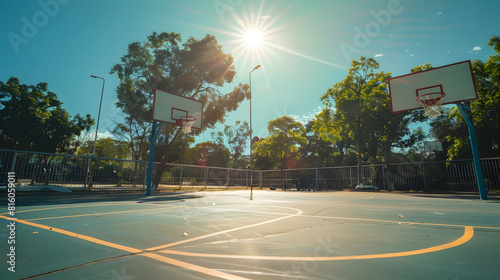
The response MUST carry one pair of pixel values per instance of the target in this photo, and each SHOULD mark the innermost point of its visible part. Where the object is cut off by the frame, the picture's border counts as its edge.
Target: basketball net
(187, 123)
(432, 103)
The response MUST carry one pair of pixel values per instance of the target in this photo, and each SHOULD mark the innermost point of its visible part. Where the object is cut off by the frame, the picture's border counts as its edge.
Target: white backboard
(433, 146)
(168, 108)
(455, 80)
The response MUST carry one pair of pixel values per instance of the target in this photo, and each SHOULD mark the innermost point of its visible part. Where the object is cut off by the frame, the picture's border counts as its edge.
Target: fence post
(350, 177)
(286, 180)
(383, 176)
(87, 174)
(227, 178)
(145, 181)
(316, 178)
(180, 180)
(13, 165)
(206, 177)
(424, 176)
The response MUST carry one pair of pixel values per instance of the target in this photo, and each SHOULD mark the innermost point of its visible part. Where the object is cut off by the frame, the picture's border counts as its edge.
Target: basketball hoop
(432, 103)
(187, 122)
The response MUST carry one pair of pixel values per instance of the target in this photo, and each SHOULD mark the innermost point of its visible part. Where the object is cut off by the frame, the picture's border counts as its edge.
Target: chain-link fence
(72, 172)
(83, 173)
(458, 175)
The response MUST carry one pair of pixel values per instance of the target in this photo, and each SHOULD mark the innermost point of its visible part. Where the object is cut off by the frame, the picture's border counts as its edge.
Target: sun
(253, 38)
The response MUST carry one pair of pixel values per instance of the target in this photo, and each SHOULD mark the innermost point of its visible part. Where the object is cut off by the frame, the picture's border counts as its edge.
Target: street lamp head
(96, 77)
(256, 67)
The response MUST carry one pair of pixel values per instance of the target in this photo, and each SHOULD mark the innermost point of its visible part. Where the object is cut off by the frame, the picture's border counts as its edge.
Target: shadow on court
(50, 198)
(492, 197)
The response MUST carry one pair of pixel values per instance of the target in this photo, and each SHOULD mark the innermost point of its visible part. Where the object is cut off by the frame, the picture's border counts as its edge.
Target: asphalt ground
(277, 235)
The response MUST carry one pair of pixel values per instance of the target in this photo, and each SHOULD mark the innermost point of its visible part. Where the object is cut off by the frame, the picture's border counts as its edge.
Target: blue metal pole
(475, 152)
(154, 133)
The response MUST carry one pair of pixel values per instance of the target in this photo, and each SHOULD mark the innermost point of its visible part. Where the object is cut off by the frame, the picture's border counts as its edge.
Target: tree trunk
(136, 171)
(387, 173)
(159, 172)
(163, 162)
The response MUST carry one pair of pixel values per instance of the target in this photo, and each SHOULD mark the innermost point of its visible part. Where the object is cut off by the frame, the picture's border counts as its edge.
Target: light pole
(251, 154)
(88, 179)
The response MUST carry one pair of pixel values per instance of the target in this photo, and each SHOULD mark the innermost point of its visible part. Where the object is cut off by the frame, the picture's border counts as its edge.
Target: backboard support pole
(475, 152)
(154, 134)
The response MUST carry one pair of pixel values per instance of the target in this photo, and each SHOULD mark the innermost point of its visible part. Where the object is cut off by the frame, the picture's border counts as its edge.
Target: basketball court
(277, 235)
(262, 234)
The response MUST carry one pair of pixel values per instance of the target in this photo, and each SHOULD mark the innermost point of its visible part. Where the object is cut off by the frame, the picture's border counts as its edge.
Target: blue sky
(307, 45)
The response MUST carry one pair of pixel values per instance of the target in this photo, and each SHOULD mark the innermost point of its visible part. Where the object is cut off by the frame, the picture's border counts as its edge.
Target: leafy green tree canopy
(197, 68)
(285, 135)
(135, 134)
(208, 154)
(358, 111)
(107, 148)
(485, 112)
(32, 118)
(236, 138)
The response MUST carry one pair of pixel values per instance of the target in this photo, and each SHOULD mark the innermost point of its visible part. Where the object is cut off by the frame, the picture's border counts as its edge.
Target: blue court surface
(225, 235)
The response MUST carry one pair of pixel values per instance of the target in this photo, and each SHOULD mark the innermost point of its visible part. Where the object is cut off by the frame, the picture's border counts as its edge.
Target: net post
(475, 152)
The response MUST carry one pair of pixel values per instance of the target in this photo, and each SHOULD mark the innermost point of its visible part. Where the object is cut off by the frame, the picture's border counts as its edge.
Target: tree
(451, 128)
(352, 110)
(208, 154)
(320, 150)
(281, 146)
(197, 69)
(327, 130)
(106, 148)
(32, 119)
(363, 116)
(236, 138)
(133, 132)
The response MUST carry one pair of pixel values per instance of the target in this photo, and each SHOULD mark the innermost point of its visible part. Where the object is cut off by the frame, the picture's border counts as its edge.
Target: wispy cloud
(305, 118)
(379, 55)
(476, 48)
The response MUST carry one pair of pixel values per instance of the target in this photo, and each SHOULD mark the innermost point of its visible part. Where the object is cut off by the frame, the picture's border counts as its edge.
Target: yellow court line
(76, 235)
(89, 204)
(163, 259)
(193, 267)
(245, 211)
(102, 213)
(468, 234)
(400, 222)
(43, 209)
